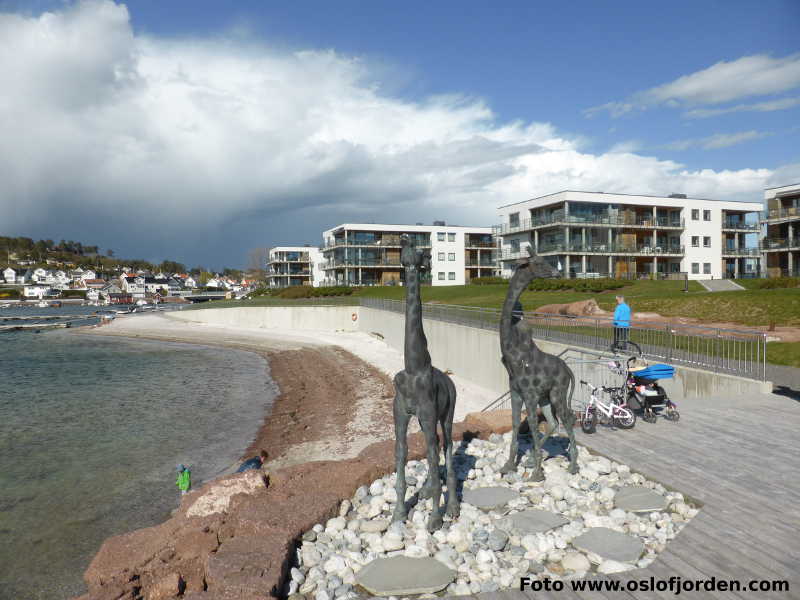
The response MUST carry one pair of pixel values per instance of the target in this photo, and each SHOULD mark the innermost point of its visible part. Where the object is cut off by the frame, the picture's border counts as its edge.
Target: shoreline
(306, 421)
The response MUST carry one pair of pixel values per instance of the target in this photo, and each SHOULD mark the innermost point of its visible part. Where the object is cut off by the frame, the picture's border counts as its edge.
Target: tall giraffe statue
(536, 378)
(424, 391)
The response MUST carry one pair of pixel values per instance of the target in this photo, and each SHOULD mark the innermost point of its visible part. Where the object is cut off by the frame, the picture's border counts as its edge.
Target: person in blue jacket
(254, 463)
(622, 323)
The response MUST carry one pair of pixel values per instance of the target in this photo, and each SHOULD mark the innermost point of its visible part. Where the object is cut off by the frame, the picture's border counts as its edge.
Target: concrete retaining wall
(469, 352)
(319, 318)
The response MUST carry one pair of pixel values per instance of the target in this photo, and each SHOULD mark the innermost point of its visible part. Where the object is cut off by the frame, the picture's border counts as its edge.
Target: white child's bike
(616, 411)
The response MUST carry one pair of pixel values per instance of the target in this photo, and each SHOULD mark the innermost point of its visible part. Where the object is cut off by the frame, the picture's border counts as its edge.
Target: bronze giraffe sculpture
(536, 378)
(424, 391)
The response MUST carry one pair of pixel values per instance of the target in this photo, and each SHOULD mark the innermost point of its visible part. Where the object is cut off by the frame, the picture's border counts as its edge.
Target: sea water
(91, 430)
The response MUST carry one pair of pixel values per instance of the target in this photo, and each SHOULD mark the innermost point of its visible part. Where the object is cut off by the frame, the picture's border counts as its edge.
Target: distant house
(37, 290)
(26, 277)
(110, 288)
(40, 275)
(10, 275)
(189, 282)
(95, 284)
(88, 274)
(133, 286)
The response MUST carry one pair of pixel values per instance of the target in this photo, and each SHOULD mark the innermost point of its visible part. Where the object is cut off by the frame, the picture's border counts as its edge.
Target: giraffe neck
(519, 281)
(415, 353)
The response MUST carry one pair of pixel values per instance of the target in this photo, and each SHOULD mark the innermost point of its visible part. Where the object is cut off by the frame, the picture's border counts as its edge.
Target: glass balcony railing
(362, 262)
(780, 243)
(741, 226)
(741, 251)
(386, 242)
(777, 214)
(598, 220)
(610, 249)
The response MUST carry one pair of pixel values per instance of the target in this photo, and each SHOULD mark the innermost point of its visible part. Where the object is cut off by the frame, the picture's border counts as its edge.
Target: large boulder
(581, 308)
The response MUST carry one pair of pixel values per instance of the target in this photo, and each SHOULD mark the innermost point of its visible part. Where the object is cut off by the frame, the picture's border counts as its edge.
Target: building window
(451, 256)
(707, 268)
(695, 268)
(440, 236)
(441, 276)
(451, 276)
(706, 242)
(706, 215)
(695, 241)
(441, 255)
(695, 214)
(513, 220)
(514, 245)
(451, 237)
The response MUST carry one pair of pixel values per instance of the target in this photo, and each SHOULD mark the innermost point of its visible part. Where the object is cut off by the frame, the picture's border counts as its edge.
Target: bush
(778, 282)
(73, 294)
(488, 281)
(306, 291)
(578, 285)
(10, 293)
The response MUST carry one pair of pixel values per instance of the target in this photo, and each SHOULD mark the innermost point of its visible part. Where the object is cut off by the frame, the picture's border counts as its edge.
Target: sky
(195, 131)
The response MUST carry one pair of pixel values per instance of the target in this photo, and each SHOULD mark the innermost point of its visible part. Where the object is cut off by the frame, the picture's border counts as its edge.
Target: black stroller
(644, 393)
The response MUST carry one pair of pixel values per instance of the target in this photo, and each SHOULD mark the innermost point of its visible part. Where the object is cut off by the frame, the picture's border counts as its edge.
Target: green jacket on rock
(184, 480)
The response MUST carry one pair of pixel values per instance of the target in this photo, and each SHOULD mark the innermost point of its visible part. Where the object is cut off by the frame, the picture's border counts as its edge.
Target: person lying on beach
(184, 480)
(254, 463)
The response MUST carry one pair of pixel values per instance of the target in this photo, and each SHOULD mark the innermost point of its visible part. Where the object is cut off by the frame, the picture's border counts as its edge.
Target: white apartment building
(361, 254)
(294, 265)
(781, 245)
(593, 234)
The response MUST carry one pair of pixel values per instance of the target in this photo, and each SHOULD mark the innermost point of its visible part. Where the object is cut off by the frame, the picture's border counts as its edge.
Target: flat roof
(621, 194)
(777, 187)
(406, 227)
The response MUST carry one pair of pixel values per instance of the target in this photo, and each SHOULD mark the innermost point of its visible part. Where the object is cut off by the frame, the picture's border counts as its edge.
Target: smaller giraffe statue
(424, 391)
(536, 378)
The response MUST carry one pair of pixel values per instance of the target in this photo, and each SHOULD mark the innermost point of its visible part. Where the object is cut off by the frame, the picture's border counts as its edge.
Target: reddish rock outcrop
(234, 537)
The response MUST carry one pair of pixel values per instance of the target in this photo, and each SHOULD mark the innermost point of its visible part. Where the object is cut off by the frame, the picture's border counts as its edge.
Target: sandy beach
(335, 388)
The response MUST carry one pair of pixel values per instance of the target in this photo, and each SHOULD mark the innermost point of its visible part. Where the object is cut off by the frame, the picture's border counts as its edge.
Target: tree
(110, 253)
(204, 277)
(257, 263)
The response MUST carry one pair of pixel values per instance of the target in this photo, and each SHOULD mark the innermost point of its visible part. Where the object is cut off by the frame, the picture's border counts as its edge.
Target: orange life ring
(354, 317)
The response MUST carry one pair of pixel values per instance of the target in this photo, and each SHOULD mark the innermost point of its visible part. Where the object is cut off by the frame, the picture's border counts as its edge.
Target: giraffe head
(411, 257)
(537, 267)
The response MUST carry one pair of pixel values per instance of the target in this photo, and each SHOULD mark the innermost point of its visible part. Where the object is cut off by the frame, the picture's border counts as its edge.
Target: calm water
(90, 432)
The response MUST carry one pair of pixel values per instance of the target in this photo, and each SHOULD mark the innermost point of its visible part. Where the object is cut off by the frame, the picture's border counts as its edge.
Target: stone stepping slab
(610, 544)
(635, 498)
(533, 521)
(488, 498)
(401, 575)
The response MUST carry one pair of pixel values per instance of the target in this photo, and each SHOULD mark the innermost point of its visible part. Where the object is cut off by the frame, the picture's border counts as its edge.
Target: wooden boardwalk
(739, 458)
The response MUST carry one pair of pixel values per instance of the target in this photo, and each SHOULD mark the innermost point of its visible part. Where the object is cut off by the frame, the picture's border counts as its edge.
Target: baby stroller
(645, 394)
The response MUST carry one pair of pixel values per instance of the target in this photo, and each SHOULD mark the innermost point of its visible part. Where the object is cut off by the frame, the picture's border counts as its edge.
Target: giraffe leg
(516, 412)
(453, 507)
(401, 418)
(427, 489)
(568, 419)
(428, 424)
(547, 411)
(535, 458)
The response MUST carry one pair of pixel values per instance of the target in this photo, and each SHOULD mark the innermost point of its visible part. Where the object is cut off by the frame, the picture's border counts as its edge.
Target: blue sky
(281, 119)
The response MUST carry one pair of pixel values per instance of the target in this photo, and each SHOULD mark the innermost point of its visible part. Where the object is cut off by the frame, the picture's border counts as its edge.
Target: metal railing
(610, 249)
(739, 352)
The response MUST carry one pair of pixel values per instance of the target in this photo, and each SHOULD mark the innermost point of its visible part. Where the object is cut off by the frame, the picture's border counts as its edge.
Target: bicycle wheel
(672, 414)
(589, 421)
(624, 418)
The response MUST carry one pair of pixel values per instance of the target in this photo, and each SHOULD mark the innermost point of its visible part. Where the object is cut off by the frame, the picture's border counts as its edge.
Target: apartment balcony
(480, 264)
(591, 221)
(780, 215)
(363, 262)
(780, 244)
(741, 227)
(479, 245)
(737, 252)
(390, 243)
(637, 250)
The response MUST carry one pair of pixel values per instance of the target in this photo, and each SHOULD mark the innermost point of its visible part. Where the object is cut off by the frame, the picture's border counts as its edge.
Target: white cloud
(716, 141)
(768, 106)
(748, 76)
(210, 146)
